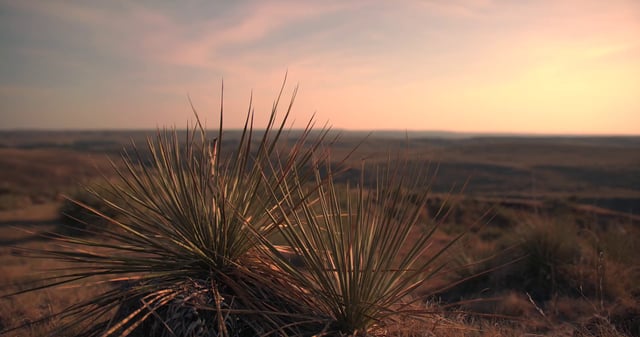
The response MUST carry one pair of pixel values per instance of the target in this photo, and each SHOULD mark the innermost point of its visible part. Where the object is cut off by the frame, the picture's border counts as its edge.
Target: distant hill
(602, 171)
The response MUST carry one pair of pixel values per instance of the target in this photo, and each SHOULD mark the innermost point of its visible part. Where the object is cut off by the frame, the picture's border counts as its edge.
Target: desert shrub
(492, 233)
(360, 260)
(544, 251)
(501, 217)
(13, 197)
(9, 201)
(538, 257)
(191, 226)
(83, 212)
(184, 238)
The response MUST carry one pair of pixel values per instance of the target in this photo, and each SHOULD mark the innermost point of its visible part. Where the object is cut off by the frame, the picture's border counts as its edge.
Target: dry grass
(33, 176)
(564, 315)
(603, 300)
(24, 227)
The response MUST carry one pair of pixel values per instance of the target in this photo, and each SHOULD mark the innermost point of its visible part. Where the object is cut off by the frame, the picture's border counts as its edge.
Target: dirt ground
(24, 228)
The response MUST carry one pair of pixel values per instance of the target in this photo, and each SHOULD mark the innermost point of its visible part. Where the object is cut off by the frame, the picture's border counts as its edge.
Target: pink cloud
(174, 44)
(456, 8)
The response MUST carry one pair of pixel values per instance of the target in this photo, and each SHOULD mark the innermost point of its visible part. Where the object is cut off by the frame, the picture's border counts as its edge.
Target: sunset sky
(517, 66)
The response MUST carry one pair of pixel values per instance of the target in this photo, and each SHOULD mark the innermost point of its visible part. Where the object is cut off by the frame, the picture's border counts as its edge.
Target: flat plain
(578, 188)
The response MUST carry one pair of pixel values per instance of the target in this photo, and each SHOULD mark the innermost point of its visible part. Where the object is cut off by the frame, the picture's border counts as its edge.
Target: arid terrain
(553, 225)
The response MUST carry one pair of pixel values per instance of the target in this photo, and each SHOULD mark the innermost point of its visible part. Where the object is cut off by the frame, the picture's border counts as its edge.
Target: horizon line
(395, 131)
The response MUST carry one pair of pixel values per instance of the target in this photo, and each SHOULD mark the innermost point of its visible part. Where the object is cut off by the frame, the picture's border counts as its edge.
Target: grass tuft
(363, 253)
(181, 251)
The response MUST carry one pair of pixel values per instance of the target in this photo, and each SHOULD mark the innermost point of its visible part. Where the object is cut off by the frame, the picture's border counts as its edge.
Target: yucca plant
(184, 251)
(360, 262)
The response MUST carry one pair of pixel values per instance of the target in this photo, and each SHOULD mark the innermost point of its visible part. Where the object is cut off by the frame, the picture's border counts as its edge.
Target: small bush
(83, 213)
(13, 201)
(543, 252)
(538, 257)
(362, 253)
(188, 214)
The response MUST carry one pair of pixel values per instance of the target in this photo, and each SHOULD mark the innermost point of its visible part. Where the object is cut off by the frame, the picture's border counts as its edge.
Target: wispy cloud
(418, 58)
(461, 9)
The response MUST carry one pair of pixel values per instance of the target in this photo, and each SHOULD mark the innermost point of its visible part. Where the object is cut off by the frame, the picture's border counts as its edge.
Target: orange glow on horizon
(569, 66)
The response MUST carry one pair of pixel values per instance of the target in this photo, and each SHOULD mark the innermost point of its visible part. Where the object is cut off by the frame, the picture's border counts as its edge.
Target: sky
(525, 66)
